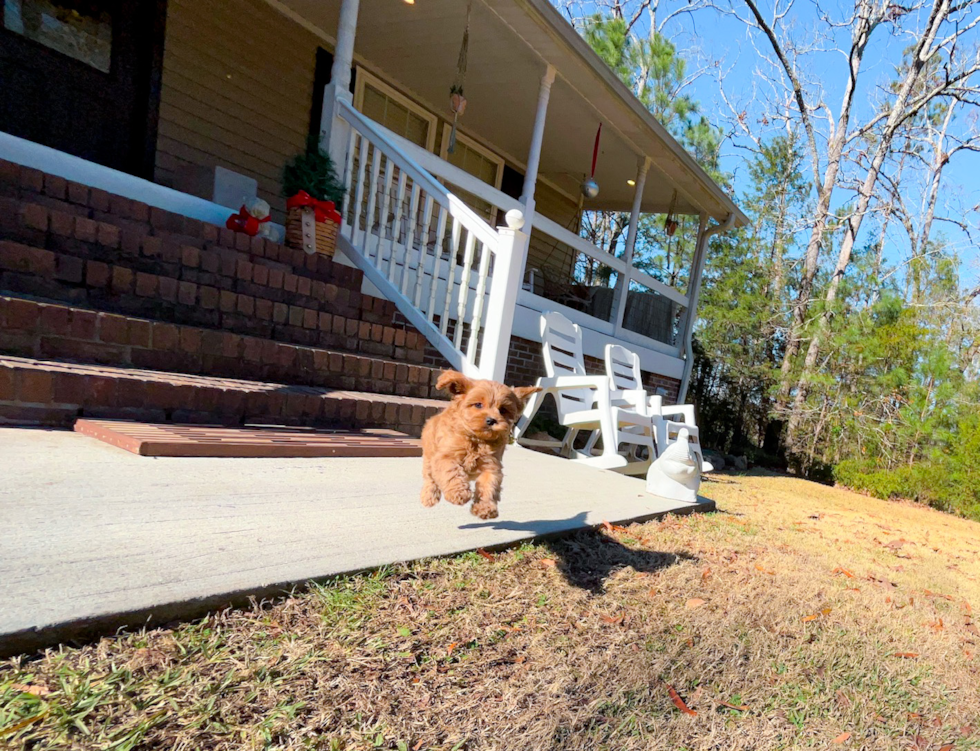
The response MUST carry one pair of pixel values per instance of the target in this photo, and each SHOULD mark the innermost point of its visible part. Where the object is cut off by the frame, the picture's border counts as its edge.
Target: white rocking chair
(586, 402)
(623, 369)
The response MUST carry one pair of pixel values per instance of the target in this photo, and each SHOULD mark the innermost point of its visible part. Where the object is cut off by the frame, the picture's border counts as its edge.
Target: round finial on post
(514, 219)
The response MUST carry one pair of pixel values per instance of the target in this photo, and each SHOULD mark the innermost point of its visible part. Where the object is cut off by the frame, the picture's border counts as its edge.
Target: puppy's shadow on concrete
(586, 558)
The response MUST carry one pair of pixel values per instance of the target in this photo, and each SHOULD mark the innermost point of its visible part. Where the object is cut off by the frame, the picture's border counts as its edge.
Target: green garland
(312, 171)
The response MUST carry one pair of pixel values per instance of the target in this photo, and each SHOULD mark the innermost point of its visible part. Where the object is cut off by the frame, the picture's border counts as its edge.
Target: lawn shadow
(586, 558)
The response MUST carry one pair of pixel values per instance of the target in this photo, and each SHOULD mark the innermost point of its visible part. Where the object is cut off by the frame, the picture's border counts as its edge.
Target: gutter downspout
(692, 310)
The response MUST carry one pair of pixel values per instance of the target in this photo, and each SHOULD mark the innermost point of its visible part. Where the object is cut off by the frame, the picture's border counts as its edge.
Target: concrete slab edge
(86, 630)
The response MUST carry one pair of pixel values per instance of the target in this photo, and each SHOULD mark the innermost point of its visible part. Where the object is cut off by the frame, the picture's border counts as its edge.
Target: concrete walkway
(93, 538)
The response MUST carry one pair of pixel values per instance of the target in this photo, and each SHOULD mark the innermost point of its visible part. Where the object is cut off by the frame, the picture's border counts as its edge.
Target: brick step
(65, 242)
(55, 394)
(51, 331)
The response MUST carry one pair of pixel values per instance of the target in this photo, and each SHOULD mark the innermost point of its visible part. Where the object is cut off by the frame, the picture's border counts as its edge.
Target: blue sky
(726, 48)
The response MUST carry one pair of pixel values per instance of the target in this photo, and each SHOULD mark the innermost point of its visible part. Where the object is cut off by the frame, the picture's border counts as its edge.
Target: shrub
(313, 171)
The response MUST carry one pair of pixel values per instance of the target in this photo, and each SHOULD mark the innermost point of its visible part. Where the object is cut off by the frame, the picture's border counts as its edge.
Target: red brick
(98, 199)
(9, 173)
(97, 274)
(8, 384)
(377, 369)
(227, 301)
(244, 270)
(209, 297)
(260, 274)
(263, 309)
(252, 349)
(246, 305)
(85, 230)
(190, 340)
(309, 318)
(152, 247)
(364, 331)
(290, 282)
(304, 286)
(78, 193)
(295, 315)
(338, 325)
(17, 257)
(231, 345)
(280, 312)
(388, 335)
(366, 304)
(138, 211)
(113, 329)
(70, 269)
(330, 293)
(56, 320)
(399, 337)
(130, 242)
(377, 332)
(139, 333)
(107, 235)
(122, 280)
(256, 246)
(146, 284)
(351, 327)
(336, 362)
(209, 233)
(84, 324)
(242, 242)
(324, 321)
(210, 261)
(36, 386)
(187, 293)
(226, 237)
(389, 371)
(131, 392)
(276, 278)
(164, 336)
(190, 256)
(56, 187)
(168, 289)
(31, 179)
(34, 216)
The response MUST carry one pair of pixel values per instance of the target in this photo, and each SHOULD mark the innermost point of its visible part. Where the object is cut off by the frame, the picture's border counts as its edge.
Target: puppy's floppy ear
(454, 382)
(524, 392)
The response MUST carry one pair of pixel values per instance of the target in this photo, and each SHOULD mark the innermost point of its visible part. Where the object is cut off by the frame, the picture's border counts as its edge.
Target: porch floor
(96, 538)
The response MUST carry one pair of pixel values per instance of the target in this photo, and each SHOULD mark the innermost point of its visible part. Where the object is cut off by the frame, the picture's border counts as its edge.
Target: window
(81, 29)
(483, 164)
(397, 113)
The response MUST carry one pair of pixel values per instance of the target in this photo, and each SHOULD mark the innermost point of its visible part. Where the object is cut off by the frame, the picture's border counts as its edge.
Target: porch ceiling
(416, 47)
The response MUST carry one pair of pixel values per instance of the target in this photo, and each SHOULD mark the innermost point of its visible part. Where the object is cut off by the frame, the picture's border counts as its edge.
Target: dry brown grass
(794, 604)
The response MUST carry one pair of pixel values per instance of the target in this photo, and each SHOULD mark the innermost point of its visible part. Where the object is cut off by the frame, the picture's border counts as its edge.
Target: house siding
(234, 98)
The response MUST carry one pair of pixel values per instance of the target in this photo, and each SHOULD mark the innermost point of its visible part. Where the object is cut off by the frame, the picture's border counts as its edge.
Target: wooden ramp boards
(148, 439)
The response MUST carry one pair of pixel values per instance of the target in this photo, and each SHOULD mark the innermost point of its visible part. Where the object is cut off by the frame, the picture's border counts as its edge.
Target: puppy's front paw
(484, 510)
(430, 497)
(459, 495)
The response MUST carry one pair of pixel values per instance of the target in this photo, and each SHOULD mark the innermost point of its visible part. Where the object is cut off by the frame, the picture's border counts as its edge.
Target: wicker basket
(304, 232)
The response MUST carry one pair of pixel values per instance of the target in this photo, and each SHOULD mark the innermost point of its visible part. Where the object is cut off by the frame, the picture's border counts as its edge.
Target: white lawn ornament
(676, 473)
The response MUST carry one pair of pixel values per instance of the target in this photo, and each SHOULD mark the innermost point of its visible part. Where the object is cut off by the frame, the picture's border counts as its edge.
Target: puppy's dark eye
(505, 413)
(477, 405)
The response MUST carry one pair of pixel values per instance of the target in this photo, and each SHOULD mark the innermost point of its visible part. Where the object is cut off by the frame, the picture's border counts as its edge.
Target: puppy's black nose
(491, 422)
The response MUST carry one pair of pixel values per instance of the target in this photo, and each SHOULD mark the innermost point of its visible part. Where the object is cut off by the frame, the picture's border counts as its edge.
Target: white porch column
(334, 132)
(623, 282)
(534, 154)
(504, 288)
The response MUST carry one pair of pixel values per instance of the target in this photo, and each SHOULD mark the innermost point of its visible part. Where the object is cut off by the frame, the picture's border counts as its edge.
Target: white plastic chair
(623, 369)
(586, 402)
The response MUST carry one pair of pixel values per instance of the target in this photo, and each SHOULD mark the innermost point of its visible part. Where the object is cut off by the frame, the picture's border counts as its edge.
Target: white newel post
(623, 282)
(507, 268)
(534, 153)
(334, 131)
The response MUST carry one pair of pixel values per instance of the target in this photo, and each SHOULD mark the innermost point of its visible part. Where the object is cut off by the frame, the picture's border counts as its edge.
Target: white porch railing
(452, 275)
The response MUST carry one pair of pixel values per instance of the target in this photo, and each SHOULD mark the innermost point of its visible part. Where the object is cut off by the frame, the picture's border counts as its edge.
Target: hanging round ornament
(590, 188)
(457, 101)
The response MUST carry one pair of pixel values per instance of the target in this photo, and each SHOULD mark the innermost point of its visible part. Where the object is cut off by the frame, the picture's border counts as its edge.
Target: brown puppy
(466, 441)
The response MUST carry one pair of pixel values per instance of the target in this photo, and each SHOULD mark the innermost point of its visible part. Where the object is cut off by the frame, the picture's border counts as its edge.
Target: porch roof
(415, 46)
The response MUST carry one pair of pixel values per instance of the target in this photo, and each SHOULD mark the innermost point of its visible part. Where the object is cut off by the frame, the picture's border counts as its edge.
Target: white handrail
(419, 175)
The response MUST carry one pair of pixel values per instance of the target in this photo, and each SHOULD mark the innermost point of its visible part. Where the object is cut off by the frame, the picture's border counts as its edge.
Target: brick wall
(64, 242)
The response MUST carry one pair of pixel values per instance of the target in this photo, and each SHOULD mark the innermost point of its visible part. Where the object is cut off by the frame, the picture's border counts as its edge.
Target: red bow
(245, 222)
(322, 210)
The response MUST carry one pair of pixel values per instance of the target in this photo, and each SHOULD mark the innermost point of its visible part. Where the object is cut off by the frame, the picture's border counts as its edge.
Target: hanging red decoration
(590, 188)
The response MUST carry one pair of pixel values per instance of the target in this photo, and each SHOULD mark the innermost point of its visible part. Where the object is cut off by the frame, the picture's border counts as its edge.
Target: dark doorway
(83, 76)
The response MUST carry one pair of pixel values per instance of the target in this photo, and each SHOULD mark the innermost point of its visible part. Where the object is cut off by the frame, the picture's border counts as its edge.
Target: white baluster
(464, 288)
(383, 215)
(423, 249)
(481, 291)
(436, 261)
(372, 201)
(359, 194)
(348, 172)
(396, 224)
(413, 210)
(451, 277)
